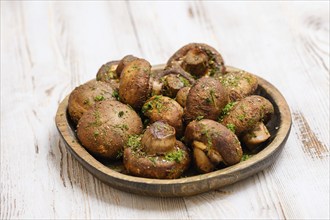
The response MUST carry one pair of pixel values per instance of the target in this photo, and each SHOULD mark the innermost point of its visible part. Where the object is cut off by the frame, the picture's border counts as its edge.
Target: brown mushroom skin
(104, 129)
(198, 59)
(181, 96)
(107, 72)
(206, 99)
(172, 84)
(215, 137)
(134, 86)
(162, 108)
(239, 84)
(123, 62)
(246, 113)
(139, 164)
(84, 97)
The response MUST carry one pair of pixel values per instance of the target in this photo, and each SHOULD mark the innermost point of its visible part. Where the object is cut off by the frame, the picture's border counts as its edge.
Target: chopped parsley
(176, 156)
(99, 98)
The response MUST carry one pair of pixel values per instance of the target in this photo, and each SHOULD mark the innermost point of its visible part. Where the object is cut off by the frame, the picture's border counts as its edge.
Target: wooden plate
(279, 127)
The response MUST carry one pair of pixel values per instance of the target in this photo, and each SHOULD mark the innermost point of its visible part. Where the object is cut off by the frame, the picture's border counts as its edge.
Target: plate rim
(168, 187)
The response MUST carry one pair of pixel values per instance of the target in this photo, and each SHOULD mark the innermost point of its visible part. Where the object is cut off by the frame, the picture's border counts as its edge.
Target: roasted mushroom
(124, 62)
(104, 129)
(162, 108)
(212, 144)
(107, 73)
(168, 82)
(246, 119)
(206, 99)
(134, 88)
(156, 153)
(181, 96)
(239, 84)
(198, 60)
(83, 97)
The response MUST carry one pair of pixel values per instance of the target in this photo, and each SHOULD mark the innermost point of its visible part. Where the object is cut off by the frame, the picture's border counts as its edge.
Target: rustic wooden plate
(279, 127)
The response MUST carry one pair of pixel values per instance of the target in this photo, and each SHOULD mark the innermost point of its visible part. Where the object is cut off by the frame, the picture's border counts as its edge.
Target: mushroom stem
(159, 138)
(196, 62)
(213, 155)
(256, 136)
(203, 163)
(199, 145)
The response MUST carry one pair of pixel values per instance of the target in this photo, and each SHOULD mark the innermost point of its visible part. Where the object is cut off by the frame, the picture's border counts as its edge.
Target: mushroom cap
(194, 54)
(134, 86)
(104, 129)
(206, 98)
(84, 97)
(216, 137)
(239, 84)
(123, 62)
(163, 108)
(246, 113)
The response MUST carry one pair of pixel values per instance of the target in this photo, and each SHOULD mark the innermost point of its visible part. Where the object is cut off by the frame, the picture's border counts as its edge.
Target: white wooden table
(48, 48)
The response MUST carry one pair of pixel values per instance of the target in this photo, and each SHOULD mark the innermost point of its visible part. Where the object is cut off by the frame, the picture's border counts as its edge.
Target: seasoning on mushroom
(83, 97)
(166, 109)
(239, 84)
(198, 59)
(212, 144)
(156, 153)
(206, 98)
(134, 88)
(104, 129)
(246, 119)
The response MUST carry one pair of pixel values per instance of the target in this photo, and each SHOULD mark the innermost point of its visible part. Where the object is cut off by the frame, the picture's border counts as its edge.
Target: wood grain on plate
(279, 127)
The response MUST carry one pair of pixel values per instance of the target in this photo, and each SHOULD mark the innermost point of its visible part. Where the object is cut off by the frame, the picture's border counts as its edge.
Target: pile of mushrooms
(194, 113)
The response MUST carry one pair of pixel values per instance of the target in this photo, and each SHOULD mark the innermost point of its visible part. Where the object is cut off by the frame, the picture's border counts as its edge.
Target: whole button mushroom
(163, 108)
(134, 86)
(84, 97)
(212, 143)
(247, 117)
(104, 129)
(239, 84)
(206, 98)
(156, 153)
(198, 59)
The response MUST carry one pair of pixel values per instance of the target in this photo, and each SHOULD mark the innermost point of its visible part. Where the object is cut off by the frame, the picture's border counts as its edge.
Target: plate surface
(279, 128)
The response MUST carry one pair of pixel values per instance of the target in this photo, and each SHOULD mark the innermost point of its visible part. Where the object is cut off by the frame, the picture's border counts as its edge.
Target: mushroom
(166, 109)
(107, 73)
(168, 82)
(124, 62)
(83, 97)
(181, 96)
(134, 86)
(198, 59)
(239, 84)
(212, 144)
(206, 99)
(156, 153)
(247, 117)
(104, 129)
